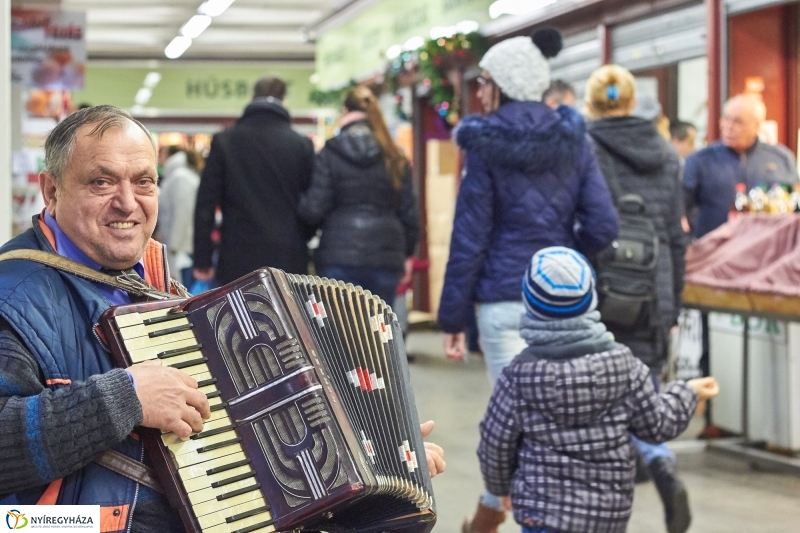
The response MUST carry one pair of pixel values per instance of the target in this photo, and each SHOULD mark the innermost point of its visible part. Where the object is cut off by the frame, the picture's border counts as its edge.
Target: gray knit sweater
(77, 423)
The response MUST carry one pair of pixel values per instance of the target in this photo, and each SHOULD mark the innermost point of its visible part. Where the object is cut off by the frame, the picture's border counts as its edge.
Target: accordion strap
(130, 468)
(131, 284)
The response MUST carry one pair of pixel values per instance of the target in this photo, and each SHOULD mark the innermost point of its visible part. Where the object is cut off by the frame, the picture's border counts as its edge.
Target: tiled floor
(726, 495)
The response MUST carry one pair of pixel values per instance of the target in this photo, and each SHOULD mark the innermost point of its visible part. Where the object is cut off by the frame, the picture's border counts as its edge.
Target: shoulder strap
(130, 468)
(133, 285)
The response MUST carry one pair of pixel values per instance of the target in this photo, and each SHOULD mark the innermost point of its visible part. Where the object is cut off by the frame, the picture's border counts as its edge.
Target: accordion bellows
(313, 424)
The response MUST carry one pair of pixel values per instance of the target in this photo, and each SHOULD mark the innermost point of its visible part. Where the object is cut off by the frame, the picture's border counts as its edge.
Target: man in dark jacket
(255, 172)
(711, 174)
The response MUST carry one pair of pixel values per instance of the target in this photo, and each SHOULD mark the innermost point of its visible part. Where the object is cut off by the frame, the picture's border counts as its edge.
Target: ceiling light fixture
(517, 7)
(196, 25)
(214, 8)
(152, 79)
(143, 96)
(177, 47)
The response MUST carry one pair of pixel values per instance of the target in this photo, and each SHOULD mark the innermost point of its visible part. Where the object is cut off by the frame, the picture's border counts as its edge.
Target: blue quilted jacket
(531, 180)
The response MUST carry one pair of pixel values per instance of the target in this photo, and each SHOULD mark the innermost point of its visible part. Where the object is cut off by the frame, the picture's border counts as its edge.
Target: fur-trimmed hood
(523, 136)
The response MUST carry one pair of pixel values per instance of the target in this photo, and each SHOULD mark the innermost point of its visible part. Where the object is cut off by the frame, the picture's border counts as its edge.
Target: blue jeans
(379, 281)
(651, 452)
(498, 330)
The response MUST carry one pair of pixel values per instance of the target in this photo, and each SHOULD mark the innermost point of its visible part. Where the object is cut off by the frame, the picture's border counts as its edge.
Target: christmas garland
(438, 58)
(432, 64)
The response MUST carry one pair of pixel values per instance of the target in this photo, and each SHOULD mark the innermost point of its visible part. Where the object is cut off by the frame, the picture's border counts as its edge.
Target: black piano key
(248, 514)
(219, 406)
(225, 468)
(212, 432)
(255, 527)
(213, 394)
(165, 318)
(206, 382)
(167, 331)
(187, 364)
(233, 479)
(218, 445)
(239, 492)
(179, 351)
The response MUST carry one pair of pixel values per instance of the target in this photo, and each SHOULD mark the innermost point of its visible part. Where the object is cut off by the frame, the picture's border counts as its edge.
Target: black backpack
(626, 270)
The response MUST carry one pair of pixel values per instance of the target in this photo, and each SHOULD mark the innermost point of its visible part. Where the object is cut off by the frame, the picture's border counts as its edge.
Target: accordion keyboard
(216, 474)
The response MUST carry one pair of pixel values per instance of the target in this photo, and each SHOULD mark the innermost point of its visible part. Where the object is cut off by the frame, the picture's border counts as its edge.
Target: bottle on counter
(741, 203)
(778, 203)
(758, 200)
(794, 199)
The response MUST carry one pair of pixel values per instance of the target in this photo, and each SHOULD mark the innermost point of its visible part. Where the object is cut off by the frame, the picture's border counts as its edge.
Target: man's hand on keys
(170, 399)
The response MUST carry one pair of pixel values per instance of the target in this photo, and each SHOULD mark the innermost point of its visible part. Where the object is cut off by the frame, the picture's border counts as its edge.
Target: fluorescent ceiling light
(517, 7)
(213, 8)
(143, 96)
(177, 47)
(196, 25)
(413, 43)
(152, 79)
(394, 51)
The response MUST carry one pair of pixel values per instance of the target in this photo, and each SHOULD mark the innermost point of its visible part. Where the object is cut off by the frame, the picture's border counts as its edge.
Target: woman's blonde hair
(362, 99)
(610, 88)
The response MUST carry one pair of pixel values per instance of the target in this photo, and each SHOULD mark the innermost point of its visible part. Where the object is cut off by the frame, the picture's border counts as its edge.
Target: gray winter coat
(645, 164)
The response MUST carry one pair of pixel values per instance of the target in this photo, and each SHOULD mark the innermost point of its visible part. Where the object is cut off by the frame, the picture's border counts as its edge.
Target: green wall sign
(216, 89)
(357, 48)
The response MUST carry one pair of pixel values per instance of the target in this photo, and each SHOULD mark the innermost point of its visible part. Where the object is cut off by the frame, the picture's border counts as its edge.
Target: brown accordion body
(313, 425)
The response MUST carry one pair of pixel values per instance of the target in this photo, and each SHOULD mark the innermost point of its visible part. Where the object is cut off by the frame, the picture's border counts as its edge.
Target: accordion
(313, 426)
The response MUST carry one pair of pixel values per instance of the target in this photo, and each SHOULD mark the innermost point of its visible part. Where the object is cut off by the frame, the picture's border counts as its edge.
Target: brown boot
(486, 520)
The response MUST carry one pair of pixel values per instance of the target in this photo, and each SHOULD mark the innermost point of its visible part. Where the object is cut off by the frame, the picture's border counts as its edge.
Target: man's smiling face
(107, 200)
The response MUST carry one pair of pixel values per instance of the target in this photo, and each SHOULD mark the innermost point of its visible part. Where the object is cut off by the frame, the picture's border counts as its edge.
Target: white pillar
(5, 120)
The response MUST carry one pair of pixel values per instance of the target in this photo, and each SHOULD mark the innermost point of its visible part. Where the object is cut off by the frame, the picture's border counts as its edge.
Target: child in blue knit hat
(555, 437)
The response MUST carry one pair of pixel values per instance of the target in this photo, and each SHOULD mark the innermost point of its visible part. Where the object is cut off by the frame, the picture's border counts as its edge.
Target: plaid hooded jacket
(555, 436)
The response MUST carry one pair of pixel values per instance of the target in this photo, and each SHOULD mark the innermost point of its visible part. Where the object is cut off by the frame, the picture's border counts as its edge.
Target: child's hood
(574, 392)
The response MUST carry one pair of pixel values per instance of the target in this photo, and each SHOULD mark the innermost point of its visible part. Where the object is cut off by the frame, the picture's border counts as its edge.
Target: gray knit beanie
(520, 66)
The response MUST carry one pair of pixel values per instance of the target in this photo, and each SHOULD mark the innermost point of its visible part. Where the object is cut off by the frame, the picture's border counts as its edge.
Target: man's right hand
(204, 274)
(455, 346)
(170, 399)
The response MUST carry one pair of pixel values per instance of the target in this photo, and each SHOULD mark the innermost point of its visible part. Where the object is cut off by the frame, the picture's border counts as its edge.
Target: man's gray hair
(61, 140)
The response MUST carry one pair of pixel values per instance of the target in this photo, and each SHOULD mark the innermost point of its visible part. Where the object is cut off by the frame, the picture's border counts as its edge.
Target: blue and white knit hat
(558, 284)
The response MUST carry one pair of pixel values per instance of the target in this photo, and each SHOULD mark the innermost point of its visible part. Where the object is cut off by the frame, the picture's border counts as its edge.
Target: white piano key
(241, 524)
(151, 352)
(131, 319)
(212, 519)
(171, 438)
(204, 495)
(192, 445)
(195, 458)
(217, 506)
(199, 483)
(146, 342)
(140, 330)
(194, 471)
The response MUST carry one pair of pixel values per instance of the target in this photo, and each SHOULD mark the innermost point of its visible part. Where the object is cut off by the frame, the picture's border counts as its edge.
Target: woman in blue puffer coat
(530, 181)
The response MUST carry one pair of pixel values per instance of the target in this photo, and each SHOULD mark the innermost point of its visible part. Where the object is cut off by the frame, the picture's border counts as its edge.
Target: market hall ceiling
(247, 30)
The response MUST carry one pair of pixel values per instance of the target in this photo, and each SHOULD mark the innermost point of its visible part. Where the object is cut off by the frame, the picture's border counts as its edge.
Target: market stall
(746, 275)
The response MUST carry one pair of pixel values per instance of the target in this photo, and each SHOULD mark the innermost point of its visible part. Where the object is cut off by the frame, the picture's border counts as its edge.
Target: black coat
(255, 171)
(646, 165)
(365, 221)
